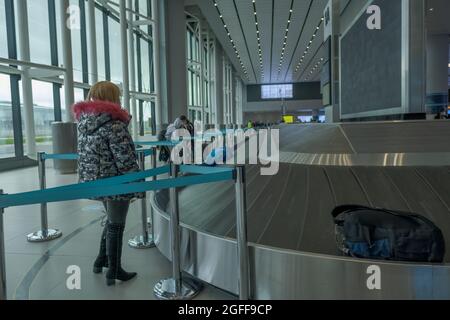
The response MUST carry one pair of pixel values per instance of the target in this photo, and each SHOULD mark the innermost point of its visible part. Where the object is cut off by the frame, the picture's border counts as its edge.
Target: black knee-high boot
(102, 259)
(114, 238)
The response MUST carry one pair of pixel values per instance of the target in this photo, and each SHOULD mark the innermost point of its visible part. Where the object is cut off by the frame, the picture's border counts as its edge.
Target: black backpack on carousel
(375, 233)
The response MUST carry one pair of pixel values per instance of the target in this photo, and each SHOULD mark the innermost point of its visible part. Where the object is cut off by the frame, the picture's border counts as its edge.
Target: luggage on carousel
(374, 233)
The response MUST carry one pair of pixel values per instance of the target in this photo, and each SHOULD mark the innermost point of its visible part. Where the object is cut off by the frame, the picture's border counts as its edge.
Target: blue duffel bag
(375, 233)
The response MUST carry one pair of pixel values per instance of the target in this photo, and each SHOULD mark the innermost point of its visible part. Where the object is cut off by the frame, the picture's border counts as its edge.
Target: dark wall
(371, 62)
(302, 91)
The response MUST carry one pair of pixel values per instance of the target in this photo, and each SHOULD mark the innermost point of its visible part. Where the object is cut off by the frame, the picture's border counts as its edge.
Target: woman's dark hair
(183, 118)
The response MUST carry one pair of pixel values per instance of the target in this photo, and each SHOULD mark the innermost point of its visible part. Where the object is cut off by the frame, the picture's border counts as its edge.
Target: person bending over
(181, 122)
(106, 149)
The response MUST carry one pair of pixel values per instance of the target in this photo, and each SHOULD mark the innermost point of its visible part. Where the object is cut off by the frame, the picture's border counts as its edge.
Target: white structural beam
(27, 92)
(66, 39)
(124, 49)
(132, 69)
(156, 64)
(92, 34)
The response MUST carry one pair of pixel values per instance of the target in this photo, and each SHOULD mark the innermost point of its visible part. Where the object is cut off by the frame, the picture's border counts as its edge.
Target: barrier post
(143, 241)
(45, 234)
(151, 226)
(241, 234)
(2, 256)
(175, 288)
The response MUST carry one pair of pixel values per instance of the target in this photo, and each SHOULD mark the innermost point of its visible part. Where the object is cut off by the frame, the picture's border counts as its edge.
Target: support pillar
(157, 64)
(124, 49)
(132, 68)
(331, 80)
(66, 44)
(92, 34)
(219, 90)
(173, 69)
(27, 91)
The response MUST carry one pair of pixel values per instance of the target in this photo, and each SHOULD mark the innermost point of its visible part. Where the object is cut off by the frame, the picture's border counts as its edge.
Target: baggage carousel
(293, 254)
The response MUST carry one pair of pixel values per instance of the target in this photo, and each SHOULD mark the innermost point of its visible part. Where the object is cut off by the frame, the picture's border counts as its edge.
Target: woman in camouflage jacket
(106, 149)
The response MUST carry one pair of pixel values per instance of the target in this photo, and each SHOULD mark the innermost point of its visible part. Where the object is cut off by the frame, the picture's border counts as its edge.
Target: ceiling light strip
(311, 61)
(308, 47)
(258, 37)
(283, 50)
(315, 67)
(231, 39)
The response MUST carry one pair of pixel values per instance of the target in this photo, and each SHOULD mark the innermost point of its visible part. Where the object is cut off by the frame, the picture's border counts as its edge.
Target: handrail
(125, 184)
(74, 156)
(109, 187)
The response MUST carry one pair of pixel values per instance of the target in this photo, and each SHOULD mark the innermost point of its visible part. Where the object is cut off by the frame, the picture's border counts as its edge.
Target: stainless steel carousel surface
(293, 253)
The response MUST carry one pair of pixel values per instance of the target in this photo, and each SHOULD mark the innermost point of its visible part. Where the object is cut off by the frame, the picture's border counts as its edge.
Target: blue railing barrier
(127, 184)
(60, 156)
(113, 186)
(75, 156)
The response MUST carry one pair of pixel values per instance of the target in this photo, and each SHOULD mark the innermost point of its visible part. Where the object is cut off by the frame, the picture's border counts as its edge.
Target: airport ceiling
(269, 41)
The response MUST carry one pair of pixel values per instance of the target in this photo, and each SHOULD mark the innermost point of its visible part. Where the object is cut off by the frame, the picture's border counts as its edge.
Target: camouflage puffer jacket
(105, 146)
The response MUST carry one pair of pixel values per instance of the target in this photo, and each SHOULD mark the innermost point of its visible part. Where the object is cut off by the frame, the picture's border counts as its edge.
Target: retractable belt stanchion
(151, 226)
(241, 234)
(45, 234)
(175, 288)
(143, 241)
(2, 256)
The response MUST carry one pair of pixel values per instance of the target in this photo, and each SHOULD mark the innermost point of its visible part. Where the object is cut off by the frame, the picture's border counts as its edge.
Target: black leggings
(116, 210)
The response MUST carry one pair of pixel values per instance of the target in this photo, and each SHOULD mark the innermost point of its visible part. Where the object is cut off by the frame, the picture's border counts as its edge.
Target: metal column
(156, 64)
(92, 42)
(3, 295)
(124, 49)
(132, 68)
(241, 234)
(45, 234)
(27, 91)
(154, 178)
(66, 37)
(210, 91)
(142, 241)
(202, 73)
(175, 288)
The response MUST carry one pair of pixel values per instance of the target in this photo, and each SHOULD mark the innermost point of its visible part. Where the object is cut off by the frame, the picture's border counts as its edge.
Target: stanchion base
(165, 290)
(41, 236)
(139, 243)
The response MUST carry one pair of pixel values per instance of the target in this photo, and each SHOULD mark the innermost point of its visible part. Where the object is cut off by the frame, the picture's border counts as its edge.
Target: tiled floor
(38, 270)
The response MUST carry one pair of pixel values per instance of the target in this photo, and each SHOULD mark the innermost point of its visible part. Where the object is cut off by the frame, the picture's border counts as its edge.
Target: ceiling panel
(244, 10)
(232, 21)
(281, 15)
(272, 17)
(301, 9)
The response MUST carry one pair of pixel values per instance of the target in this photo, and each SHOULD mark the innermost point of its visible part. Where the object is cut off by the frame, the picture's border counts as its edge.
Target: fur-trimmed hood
(91, 115)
